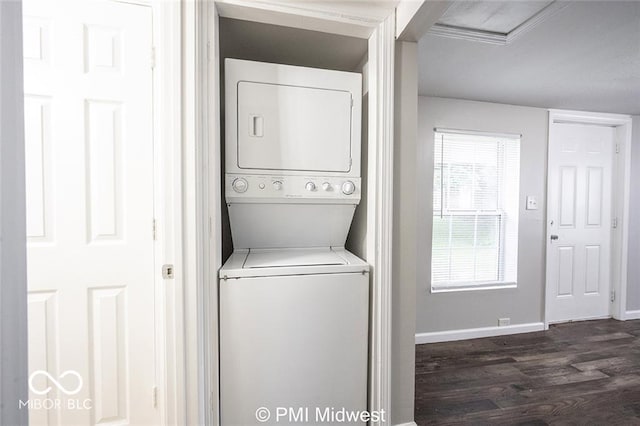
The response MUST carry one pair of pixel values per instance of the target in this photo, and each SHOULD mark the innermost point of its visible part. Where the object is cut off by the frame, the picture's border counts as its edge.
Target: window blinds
(475, 210)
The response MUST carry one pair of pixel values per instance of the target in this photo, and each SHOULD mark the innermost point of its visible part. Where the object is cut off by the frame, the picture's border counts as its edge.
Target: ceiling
(584, 57)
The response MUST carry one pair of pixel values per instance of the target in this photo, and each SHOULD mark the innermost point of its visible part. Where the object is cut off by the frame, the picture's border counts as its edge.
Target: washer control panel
(260, 187)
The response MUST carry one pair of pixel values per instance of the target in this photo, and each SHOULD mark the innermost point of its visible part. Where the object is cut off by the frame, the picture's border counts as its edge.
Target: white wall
(13, 272)
(633, 268)
(482, 308)
(357, 238)
(404, 242)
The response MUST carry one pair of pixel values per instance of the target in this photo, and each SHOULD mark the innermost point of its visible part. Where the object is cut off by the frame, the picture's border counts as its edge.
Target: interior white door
(579, 221)
(89, 150)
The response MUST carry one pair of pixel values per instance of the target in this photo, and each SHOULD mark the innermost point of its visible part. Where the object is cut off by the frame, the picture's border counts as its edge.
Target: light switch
(532, 203)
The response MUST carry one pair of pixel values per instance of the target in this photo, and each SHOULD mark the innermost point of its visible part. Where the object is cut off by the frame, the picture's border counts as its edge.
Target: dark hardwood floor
(583, 373)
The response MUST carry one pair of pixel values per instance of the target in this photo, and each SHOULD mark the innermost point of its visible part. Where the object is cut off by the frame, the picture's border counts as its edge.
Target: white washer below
(293, 334)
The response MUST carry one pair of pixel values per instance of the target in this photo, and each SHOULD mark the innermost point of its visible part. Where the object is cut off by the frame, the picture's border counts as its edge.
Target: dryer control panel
(241, 188)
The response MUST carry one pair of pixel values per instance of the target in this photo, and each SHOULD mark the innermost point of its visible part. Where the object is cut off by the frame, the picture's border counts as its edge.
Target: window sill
(475, 287)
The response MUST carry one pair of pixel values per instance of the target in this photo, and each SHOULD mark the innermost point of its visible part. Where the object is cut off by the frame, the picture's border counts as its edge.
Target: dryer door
(283, 127)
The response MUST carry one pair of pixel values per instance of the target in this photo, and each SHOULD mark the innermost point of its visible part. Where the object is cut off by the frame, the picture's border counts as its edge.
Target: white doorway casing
(587, 215)
(198, 401)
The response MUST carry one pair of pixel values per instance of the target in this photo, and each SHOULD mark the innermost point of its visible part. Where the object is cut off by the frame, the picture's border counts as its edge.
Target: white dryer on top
(282, 119)
(292, 154)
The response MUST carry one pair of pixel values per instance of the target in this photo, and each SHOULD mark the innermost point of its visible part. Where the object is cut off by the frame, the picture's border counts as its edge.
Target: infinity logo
(55, 382)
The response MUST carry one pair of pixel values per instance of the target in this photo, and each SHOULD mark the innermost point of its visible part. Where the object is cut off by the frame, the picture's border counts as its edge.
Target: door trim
(379, 248)
(203, 21)
(620, 199)
(168, 210)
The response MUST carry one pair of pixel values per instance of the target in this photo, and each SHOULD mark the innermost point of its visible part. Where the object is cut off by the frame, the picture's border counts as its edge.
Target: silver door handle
(554, 237)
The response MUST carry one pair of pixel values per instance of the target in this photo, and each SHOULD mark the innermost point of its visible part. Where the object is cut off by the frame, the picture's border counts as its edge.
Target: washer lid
(300, 261)
(274, 258)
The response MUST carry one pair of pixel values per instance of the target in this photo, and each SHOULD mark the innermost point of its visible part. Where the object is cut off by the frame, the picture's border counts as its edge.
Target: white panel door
(89, 150)
(579, 221)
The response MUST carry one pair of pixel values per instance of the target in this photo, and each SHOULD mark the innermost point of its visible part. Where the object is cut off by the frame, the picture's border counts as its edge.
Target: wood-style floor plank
(583, 373)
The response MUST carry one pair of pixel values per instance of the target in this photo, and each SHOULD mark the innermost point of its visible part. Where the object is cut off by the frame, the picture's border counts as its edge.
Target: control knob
(310, 186)
(277, 185)
(348, 188)
(240, 185)
(327, 186)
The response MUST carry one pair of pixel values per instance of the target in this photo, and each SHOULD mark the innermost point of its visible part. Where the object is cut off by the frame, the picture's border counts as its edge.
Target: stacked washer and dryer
(294, 303)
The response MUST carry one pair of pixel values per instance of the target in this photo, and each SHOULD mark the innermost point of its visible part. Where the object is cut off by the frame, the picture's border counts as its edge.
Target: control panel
(260, 188)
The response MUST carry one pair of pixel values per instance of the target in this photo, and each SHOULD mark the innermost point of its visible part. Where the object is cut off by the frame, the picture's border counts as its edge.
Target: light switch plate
(532, 202)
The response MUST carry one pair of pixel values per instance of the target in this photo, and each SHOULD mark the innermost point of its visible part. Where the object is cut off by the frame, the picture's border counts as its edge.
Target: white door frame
(197, 403)
(173, 187)
(185, 215)
(169, 151)
(621, 183)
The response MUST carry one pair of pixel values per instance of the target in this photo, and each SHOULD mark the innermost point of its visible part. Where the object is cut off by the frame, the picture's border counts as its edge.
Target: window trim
(514, 136)
(473, 286)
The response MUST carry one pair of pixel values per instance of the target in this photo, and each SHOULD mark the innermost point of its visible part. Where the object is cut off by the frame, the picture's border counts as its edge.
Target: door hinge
(613, 296)
(155, 230)
(617, 148)
(614, 223)
(154, 396)
(153, 57)
(167, 271)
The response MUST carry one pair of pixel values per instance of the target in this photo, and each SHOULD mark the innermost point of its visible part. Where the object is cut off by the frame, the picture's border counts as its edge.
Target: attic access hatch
(491, 21)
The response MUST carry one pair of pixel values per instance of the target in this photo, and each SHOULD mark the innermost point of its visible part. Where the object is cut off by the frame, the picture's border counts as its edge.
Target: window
(475, 210)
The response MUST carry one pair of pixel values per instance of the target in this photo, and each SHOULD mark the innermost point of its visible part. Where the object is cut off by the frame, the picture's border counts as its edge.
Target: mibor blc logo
(74, 383)
(64, 390)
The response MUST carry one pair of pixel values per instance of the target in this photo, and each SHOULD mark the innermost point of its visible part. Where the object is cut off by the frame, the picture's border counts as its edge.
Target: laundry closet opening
(292, 183)
(291, 46)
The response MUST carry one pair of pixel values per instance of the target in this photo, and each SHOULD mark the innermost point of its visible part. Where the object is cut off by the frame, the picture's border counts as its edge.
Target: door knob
(554, 237)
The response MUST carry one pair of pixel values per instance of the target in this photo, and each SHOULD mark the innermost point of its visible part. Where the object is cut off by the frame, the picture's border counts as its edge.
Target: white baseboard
(632, 315)
(407, 424)
(474, 333)
(566, 321)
